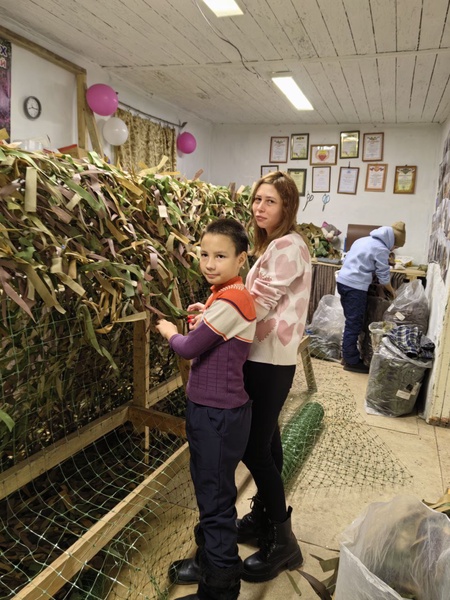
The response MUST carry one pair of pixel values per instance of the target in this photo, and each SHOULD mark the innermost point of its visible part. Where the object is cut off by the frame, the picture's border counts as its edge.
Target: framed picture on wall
(349, 147)
(266, 169)
(348, 180)
(325, 154)
(376, 177)
(373, 147)
(279, 149)
(299, 176)
(299, 146)
(405, 180)
(321, 179)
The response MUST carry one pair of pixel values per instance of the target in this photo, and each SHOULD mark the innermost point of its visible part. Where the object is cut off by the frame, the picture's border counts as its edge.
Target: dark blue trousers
(354, 303)
(217, 441)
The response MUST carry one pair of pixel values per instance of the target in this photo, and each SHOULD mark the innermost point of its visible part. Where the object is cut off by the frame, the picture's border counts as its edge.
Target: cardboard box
(74, 151)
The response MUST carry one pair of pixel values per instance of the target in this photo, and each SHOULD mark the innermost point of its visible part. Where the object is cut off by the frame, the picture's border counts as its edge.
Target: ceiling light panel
(292, 92)
(224, 8)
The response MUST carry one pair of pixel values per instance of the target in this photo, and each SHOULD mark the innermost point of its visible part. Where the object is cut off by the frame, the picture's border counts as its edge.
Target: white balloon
(115, 131)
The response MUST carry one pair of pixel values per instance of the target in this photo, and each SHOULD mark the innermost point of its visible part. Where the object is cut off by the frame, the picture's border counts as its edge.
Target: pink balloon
(102, 99)
(186, 142)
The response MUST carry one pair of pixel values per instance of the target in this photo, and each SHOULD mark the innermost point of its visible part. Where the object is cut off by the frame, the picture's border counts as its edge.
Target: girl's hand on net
(196, 307)
(166, 328)
(195, 319)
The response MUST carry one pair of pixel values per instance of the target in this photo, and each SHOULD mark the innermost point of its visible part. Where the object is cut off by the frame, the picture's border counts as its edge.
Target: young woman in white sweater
(279, 282)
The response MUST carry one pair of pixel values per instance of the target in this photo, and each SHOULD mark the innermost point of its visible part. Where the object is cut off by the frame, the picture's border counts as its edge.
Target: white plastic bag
(393, 550)
(410, 306)
(326, 328)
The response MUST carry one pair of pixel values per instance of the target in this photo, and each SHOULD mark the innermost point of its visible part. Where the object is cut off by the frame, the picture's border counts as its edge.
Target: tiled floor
(358, 459)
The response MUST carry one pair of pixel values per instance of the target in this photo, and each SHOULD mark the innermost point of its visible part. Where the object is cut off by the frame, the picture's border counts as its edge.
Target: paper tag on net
(163, 211)
(399, 316)
(153, 260)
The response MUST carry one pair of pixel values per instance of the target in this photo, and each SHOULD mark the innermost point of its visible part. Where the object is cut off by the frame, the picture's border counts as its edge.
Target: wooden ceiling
(357, 61)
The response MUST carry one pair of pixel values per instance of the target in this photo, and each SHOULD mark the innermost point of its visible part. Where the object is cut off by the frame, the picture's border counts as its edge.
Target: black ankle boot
(185, 572)
(280, 551)
(254, 525)
(218, 583)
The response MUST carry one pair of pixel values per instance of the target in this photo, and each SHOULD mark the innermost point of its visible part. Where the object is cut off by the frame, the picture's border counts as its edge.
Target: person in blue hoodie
(368, 256)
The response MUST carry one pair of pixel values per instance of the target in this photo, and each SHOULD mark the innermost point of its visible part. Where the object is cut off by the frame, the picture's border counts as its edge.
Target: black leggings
(268, 386)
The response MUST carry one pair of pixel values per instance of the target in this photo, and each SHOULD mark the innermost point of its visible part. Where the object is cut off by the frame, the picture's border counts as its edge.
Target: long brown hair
(288, 191)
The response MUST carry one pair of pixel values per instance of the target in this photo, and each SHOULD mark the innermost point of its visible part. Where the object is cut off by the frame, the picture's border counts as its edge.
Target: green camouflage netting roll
(299, 436)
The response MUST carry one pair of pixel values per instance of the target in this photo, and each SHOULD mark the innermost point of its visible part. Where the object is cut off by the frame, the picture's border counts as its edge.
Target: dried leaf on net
(93, 251)
(92, 235)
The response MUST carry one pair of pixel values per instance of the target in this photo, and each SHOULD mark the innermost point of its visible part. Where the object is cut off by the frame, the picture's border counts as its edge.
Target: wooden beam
(72, 560)
(89, 118)
(40, 51)
(183, 365)
(156, 419)
(141, 363)
(305, 355)
(27, 470)
(164, 389)
(81, 113)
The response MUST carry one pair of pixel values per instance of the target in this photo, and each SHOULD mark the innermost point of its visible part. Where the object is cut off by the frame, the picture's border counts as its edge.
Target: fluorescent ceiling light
(292, 92)
(224, 8)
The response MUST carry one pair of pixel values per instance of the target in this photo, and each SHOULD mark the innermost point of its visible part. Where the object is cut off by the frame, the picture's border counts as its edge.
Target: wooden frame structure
(140, 414)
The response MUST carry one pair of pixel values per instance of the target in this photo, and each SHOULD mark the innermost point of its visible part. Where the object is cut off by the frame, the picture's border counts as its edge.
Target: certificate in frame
(266, 169)
(321, 177)
(299, 176)
(373, 147)
(299, 146)
(323, 154)
(279, 149)
(348, 180)
(376, 177)
(349, 147)
(405, 180)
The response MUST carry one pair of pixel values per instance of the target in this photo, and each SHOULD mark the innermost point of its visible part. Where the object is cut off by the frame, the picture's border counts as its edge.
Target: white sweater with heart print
(280, 284)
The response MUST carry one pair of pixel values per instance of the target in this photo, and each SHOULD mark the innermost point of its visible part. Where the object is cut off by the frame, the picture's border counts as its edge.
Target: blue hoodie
(368, 256)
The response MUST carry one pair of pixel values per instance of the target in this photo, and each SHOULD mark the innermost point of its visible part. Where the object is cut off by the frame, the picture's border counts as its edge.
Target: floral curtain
(147, 143)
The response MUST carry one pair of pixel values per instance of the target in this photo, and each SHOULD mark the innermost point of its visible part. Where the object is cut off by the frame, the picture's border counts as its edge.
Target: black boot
(254, 525)
(187, 570)
(216, 583)
(280, 551)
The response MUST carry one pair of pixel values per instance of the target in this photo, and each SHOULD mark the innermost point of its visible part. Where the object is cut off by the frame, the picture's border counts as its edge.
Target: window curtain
(147, 143)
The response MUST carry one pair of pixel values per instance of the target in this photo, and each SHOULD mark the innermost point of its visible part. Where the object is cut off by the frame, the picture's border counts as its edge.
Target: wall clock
(32, 107)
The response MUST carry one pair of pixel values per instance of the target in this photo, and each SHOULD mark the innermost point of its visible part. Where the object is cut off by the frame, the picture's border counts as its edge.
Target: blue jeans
(354, 303)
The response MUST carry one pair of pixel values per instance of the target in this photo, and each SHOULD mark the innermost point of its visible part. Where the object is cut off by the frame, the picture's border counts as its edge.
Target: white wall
(56, 89)
(239, 152)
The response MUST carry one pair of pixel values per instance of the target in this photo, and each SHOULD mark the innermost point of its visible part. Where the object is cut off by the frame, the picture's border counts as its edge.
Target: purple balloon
(102, 99)
(186, 142)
